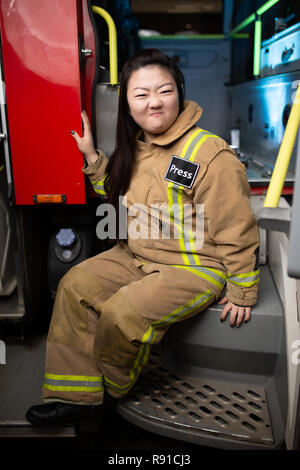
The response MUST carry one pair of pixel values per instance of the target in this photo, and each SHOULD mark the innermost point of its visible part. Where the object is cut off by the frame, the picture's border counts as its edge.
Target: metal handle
(112, 33)
(86, 52)
(4, 134)
(287, 53)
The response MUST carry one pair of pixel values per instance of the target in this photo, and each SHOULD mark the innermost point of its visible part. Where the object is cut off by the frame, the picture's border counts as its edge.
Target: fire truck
(206, 383)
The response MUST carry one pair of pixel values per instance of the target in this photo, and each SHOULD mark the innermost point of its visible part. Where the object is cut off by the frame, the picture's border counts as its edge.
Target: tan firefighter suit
(111, 308)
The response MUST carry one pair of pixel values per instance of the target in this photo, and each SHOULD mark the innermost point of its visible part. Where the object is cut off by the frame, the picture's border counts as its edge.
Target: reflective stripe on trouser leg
(72, 373)
(216, 277)
(73, 383)
(116, 344)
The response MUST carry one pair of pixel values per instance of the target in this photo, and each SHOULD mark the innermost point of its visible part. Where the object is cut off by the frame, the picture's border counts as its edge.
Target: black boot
(87, 417)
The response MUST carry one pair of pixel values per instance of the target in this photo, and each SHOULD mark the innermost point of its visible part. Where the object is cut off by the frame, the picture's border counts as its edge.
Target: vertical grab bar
(113, 57)
(284, 154)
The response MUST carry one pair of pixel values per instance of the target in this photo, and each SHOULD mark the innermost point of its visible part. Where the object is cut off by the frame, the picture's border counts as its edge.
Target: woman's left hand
(237, 314)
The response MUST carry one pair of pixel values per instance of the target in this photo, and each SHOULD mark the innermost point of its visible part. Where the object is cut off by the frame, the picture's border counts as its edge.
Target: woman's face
(153, 99)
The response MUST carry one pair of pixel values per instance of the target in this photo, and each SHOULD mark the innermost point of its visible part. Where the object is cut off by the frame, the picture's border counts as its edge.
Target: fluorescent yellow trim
(201, 142)
(242, 275)
(195, 256)
(148, 334)
(72, 377)
(72, 388)
(180, 227)
(188, 142)
(212, 280)
(145, 348)
(244, 284)
(191, 303)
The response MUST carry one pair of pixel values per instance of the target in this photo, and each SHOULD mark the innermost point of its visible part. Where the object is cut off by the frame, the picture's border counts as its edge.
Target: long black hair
(120, 165)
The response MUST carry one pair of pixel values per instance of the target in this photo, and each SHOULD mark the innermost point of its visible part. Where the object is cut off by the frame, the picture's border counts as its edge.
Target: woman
(111, 308)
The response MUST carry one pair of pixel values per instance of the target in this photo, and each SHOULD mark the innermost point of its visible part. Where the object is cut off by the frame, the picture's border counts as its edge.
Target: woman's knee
(122, 318)
(114, 343)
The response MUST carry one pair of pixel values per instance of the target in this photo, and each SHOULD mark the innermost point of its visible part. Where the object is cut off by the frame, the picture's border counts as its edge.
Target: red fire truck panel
(43, 94)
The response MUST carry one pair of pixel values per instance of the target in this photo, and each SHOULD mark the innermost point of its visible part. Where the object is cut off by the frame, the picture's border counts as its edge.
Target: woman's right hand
(85, 143)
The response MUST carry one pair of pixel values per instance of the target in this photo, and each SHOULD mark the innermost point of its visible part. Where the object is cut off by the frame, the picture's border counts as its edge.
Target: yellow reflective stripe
(73, 383)
(150, 335)
(72, 388)
(119, 388)
(183, 232)
(170, 190)
(198, 145)
(180, 226)
(194, 251)
(189, 141)
(170, 200)
(219, 283)
(243, 275)
(192, 158)
(244, 283)
(179, 191)
(72, 377)
(140, 361)
(134, 373)
(98, 185)
(186, 309)
(186, 239)
(244, 279)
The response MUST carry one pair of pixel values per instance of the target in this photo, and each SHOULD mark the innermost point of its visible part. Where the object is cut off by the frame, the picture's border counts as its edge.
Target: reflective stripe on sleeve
(98, 186)
(244, 279)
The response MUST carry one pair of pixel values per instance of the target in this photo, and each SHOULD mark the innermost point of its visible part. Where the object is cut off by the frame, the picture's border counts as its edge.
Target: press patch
(181, 171)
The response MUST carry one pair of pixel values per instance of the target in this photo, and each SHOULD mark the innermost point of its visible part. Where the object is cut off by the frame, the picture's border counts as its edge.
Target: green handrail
(112, 34)
(257, 32)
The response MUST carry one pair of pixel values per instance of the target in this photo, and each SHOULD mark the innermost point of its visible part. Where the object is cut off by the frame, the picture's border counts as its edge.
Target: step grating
(236, 411)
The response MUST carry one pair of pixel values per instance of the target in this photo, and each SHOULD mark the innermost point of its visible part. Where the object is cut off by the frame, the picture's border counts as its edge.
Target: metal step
(10, 307)
(199, 410)
(21, 379)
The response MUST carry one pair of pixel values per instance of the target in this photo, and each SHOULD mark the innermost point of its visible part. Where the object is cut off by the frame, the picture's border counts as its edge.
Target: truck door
(45, 96)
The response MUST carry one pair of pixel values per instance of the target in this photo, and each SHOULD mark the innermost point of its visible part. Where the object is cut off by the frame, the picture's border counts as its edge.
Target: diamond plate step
(198, 406)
